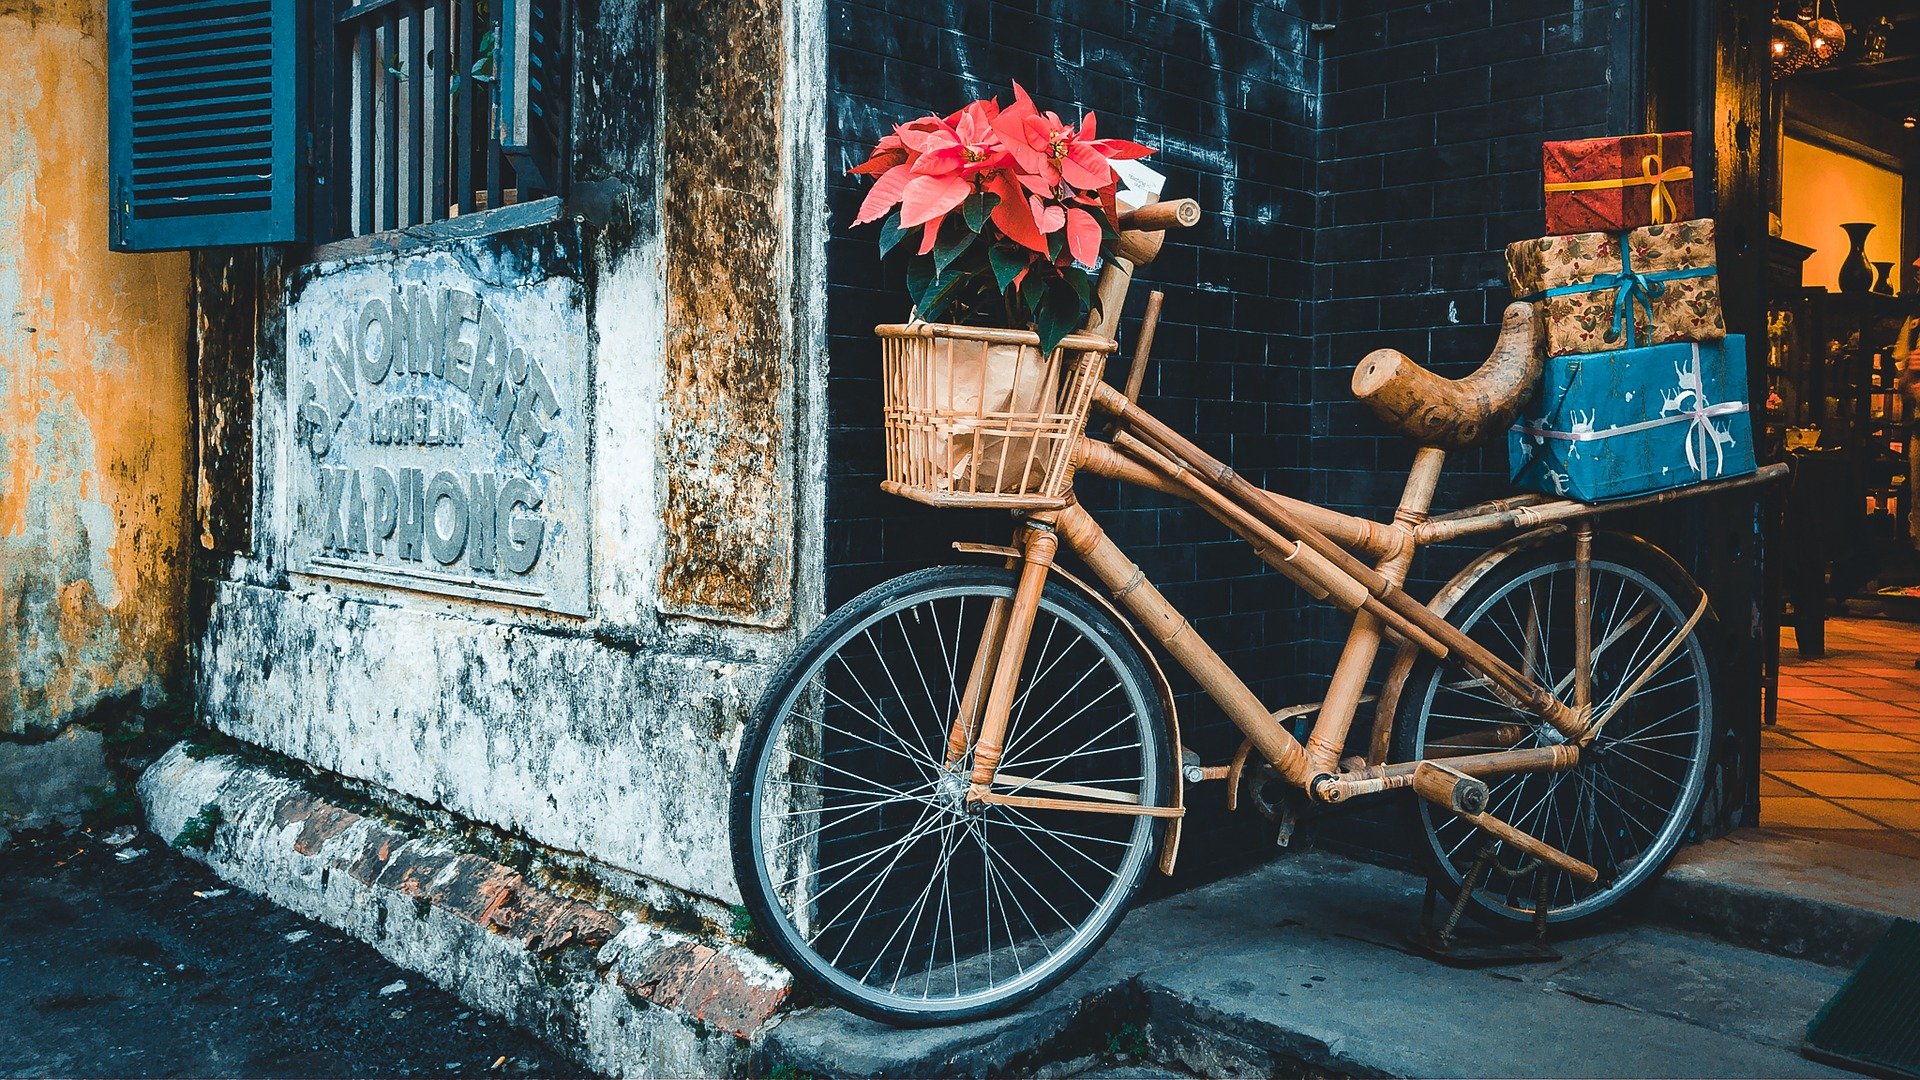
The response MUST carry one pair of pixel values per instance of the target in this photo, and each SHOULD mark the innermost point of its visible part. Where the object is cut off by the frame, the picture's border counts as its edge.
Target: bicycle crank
(1466, 798)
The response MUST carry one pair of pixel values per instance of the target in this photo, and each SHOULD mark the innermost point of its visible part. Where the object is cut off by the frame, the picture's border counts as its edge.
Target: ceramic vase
(1856, 275)
(1884, 283)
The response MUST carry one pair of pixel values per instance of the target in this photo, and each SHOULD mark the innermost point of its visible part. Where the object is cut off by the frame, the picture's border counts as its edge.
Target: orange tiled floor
(1843, 763)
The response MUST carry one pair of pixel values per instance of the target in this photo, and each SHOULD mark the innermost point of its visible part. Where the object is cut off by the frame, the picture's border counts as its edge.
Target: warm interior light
(1791, 47)
(1908, 122)
(1829, 40)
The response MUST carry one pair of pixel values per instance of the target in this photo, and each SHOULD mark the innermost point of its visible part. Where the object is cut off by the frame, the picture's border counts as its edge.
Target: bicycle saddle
(1454, 414)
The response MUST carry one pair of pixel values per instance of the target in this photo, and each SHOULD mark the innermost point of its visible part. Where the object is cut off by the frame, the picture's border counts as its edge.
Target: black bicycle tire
(1610, 549)
(756, 893)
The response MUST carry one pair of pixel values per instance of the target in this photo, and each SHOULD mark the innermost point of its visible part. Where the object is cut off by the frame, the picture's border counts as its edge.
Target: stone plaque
(441, 424)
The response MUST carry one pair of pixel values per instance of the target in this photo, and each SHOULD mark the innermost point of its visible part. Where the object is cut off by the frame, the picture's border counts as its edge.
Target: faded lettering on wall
(443, 429)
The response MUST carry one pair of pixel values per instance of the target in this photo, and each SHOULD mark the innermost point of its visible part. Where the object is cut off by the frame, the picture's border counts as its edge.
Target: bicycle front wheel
(1628, 804)
(861, 862)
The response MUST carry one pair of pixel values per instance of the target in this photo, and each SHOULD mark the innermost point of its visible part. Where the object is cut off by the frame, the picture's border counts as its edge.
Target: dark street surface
(151, 966)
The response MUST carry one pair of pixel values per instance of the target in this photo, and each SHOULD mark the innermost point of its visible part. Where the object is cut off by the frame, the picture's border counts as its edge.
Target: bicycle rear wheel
(1628, 804)
(860, 860)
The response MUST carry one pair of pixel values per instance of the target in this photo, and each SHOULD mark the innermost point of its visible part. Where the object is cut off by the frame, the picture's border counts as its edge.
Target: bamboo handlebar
(1454, 414)
(1153, 217)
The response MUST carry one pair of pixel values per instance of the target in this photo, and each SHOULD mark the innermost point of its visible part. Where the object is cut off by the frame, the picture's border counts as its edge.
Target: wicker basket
(976, 416)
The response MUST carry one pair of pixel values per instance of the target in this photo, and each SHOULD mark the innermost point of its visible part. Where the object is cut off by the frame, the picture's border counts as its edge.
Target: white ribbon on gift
(1695, 419)
(1698, 420)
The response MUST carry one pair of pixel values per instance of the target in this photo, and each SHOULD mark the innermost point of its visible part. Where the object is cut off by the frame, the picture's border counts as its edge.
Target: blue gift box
(1613, 424)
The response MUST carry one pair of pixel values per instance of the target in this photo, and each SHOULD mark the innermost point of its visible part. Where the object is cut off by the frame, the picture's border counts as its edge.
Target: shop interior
(1840, 756)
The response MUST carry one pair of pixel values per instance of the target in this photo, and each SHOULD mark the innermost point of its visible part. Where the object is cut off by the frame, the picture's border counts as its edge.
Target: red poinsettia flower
(1086, 162)
(930, 166)
(1024, 180)
(1051, 151)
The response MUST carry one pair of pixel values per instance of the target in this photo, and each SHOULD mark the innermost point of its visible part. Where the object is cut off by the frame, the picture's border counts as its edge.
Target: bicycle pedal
(1466, 797)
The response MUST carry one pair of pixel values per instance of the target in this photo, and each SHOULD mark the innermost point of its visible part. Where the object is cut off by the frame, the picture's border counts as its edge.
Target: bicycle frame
(1322, 551)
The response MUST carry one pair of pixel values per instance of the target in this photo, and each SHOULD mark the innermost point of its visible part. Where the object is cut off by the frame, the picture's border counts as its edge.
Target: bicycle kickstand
(1444, 943)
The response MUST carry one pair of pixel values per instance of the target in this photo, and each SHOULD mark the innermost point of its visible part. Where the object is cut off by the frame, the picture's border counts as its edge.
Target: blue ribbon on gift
(1631, 286)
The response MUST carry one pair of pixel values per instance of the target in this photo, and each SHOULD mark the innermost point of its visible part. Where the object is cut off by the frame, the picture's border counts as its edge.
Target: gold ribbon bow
(1662, 207)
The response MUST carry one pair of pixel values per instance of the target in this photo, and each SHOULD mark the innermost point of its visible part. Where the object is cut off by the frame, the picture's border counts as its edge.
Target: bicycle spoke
(879, 883)
(1071, 754)
(825, 825)
(912, 835)
(874, 705)
(1004, 889)
(1623, 817)
(927, 766)
(1068, 692)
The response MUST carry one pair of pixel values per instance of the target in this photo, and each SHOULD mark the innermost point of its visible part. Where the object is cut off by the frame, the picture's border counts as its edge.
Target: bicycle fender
(1395, 680)
(1170, 847)
(1452, 592)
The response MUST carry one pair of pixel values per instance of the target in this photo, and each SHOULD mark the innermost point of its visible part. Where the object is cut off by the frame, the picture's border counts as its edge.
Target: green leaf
(977, 207)
(942, 294)
(920, 277)
(487, 41)
(1033, 290)
(1081, 284)
(953, 243)
(891, 233)
(1058, 314)
(1007, 261)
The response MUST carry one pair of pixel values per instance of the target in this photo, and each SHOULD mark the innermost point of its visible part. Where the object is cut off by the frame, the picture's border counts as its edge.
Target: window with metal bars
(272, 121)
(442, 108)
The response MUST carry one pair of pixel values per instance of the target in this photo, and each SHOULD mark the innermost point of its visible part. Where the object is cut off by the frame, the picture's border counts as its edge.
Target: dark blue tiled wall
(1429, 165)
(1362, 163)
(1226, 92)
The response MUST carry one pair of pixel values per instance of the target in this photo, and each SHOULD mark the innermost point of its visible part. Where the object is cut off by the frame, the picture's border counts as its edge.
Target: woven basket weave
(976, 416)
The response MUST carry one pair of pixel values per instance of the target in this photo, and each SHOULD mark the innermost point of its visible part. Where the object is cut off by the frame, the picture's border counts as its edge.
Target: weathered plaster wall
(729, 499)
(699, 325)
(93, 413)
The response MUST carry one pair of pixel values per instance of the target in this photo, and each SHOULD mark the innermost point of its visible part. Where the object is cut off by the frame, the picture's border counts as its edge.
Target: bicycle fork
(981, 722)
(986, 704)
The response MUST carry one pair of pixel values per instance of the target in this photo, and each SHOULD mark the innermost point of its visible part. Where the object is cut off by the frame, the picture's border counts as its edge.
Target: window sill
(479, 224)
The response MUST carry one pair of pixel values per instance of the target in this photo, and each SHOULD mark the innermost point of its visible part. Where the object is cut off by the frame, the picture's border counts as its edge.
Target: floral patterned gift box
(1613, 424)
(1602, 291)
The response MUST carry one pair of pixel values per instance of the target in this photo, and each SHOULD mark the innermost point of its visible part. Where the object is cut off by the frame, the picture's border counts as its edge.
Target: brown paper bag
(981, 385)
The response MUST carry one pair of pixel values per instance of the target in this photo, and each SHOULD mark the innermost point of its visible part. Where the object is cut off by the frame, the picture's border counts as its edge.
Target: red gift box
(1613, 185)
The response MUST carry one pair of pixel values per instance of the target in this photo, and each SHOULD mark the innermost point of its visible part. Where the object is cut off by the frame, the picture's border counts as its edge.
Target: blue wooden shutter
(204, 109)
(534, 91)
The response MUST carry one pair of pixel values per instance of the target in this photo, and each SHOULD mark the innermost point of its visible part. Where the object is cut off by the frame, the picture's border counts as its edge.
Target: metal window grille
(443, 108)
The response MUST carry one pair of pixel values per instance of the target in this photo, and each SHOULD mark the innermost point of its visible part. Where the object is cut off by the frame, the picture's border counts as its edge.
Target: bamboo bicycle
(952, 790)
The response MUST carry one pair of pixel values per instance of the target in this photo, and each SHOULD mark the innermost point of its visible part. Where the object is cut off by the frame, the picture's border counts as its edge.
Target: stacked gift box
(1643, 389)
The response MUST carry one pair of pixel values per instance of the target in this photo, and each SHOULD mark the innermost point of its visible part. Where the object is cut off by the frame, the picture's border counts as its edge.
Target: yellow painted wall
(93, 395)
(1819, 189)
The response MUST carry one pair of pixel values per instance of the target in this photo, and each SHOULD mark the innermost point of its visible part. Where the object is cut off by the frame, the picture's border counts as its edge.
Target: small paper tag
(1140, 184)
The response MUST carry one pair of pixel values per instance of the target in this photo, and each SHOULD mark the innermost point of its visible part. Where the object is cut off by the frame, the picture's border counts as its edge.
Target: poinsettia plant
(1006, 212)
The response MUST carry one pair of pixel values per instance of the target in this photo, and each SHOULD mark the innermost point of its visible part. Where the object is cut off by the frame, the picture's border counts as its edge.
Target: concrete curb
(1209, 995)
(1788, 894)
(618, 995)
